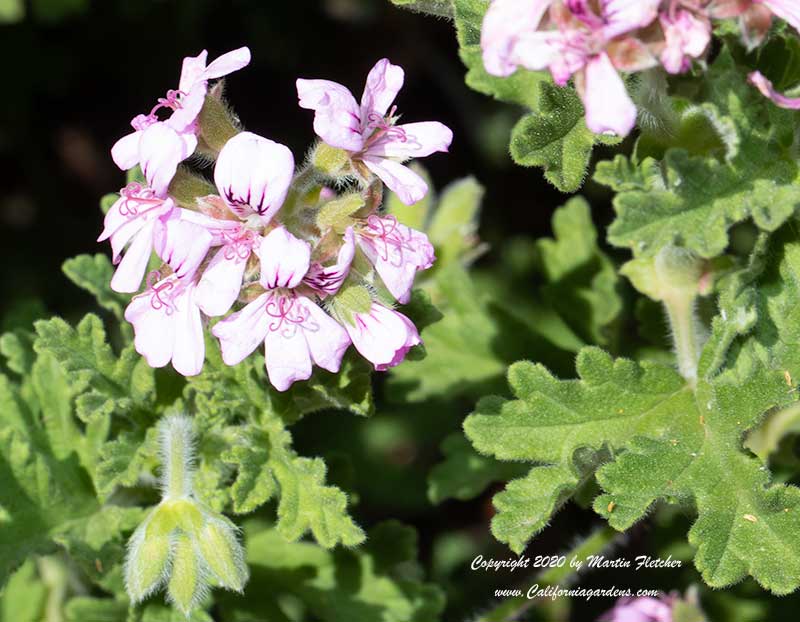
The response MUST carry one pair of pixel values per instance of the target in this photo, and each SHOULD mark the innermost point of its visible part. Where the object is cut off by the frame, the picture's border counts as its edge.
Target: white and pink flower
(296, 333)
(369, 130)
(159, 146)
(383, 336)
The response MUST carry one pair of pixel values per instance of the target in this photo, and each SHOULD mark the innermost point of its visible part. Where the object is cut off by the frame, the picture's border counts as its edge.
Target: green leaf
(582, 282)
(93, 273)
(464, 473)
(553, 135)
(681, 444)
(361, 585)
(692, 200)
(24, 597)
(440, 8)
(255, 484)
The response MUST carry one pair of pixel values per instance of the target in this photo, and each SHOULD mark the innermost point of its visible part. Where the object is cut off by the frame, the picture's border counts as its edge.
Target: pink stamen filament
(156, 301)
(284, 312)
(379, 230)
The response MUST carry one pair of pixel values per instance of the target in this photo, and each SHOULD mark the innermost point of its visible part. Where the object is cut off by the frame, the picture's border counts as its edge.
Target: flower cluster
(591, 41)
(313, 270)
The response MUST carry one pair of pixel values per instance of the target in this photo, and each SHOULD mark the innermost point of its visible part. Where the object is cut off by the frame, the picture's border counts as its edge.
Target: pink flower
(326, 281)
(766, 88)
(787, 10)
(644, 609)
(159, 146)
(578, 41)
(396, 251)
(505, 23)
(167, 325)
(297, 334)
(369, 130)
(382, 336)
(133, 219)
(221, 282)
(253, 175)
(686, 36)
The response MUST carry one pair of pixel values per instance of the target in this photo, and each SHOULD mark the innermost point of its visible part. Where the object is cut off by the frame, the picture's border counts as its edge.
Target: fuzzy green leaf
(439, 8)
(93, 273)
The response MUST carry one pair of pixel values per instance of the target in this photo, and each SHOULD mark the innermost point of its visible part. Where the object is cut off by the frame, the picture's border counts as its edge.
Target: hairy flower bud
(181, 544)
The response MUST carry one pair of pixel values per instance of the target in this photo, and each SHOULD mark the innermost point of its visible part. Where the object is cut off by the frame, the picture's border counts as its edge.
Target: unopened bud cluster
(182, 544)
(307, 270)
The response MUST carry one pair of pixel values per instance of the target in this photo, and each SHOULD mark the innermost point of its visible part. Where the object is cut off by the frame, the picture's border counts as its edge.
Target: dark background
(74, 73)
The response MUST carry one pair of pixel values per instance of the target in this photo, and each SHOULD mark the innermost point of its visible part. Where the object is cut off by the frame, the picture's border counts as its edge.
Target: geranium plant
(647, 374)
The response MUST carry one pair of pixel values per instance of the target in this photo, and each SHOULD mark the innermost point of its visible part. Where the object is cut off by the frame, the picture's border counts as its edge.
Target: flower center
(289, 316)
(160, 293)
(383, 128)
(388, 238)
(238, 243)
(172, 102)
(135, 196)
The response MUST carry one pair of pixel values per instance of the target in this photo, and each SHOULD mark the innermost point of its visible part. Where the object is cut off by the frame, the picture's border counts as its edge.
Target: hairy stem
(177, 457)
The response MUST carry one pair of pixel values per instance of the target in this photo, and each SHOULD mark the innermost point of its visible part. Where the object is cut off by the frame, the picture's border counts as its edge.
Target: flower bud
(253, 174)
(181, 543)
(185, 583)
(331, 161)
(223, 555)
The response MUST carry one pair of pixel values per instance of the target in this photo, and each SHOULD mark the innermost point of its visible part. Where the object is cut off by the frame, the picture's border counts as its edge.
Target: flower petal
(240, 333)
(328, 280)
(413, 140)
(253, 175)
(189, 350)
(125, 151)
(192, 70)
(765, 86)
(337, 118)
(227, 63)
(609, 108)
(397, 252)
(408, 186)
(382, 336)
(787, 10)
(383, 84)
(154, 338)
(130, 271)
(686, 37)
(327, 340)
(621, 16)
(287, 355)
(161, 149)
(284, 259)
(181, 243)
(505, 22)
(221, 282)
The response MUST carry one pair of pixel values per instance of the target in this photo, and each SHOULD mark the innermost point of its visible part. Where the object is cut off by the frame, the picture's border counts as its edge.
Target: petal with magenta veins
(337, 116)
(384, 82)
(405, 183)
(413, 140)
(285, 259)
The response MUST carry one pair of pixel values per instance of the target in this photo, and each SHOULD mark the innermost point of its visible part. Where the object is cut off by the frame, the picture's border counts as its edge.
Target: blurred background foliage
(74, 73)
